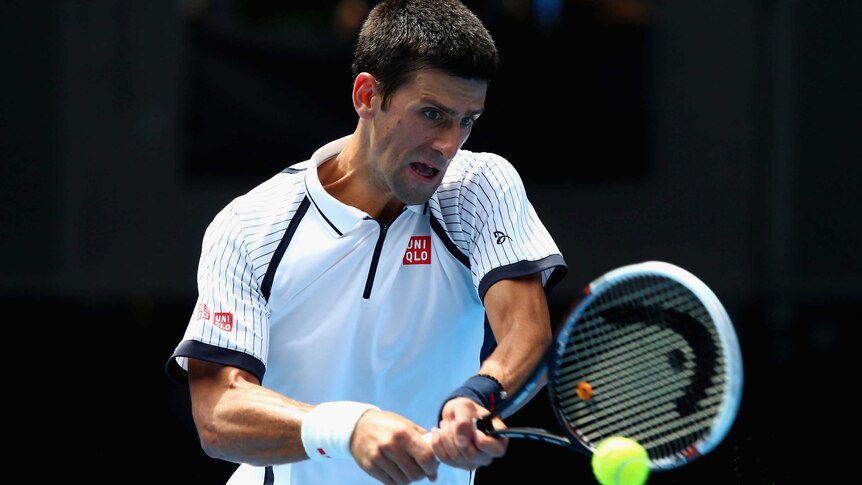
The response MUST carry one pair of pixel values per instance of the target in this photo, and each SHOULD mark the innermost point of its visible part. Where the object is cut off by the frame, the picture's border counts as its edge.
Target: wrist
(483, 389)
(500, 391)
(326, 430)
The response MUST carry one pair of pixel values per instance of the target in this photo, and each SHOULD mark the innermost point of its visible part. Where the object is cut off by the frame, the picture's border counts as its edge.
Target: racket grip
(484, 425)
(427, 438)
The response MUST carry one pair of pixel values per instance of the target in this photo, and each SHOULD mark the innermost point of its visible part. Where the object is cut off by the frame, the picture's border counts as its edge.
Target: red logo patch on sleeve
(223, 320)
(418, 250)
(203, 312)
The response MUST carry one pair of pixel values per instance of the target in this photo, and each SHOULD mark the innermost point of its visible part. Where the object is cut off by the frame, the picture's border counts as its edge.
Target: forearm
(514, 359)
(518, 313)
(254, 425)
(240, 421)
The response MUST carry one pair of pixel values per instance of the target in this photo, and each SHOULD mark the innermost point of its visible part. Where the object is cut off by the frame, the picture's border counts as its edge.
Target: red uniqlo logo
(223, 320)
(418, 250)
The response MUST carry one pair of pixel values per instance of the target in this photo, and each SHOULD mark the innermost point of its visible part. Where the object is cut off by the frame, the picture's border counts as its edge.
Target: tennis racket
(648, 353)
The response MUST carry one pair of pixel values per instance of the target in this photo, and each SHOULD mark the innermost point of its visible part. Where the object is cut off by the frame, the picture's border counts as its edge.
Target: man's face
(425, 122)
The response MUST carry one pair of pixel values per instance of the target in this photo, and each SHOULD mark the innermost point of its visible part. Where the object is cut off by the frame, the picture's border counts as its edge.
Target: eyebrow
(451, 112)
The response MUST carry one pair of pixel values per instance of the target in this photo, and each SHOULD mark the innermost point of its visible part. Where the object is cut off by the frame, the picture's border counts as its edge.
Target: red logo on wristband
(322, 452)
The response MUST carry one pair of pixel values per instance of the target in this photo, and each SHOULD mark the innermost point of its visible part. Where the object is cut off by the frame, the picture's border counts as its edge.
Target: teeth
(423, 169)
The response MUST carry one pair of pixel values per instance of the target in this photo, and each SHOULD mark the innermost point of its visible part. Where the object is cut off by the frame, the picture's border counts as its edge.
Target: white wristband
(327, 429)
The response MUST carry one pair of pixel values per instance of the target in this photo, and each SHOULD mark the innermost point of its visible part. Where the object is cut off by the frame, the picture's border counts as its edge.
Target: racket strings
(662, 385)
(637, 395)
(638, 344)
(611, 373)
(642, 423)
(627, 384)
(655, 379)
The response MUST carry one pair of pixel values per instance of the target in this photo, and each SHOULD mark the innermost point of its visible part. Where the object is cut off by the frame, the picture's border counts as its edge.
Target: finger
(465, 429)
(390, 470)
(435, 439)
(493, 446)
(408, 463)
(450, 452)
(453, 453)
(380, 475)
(427, 461)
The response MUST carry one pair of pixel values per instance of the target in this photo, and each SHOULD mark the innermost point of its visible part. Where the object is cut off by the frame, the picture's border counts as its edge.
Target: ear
(363, 91)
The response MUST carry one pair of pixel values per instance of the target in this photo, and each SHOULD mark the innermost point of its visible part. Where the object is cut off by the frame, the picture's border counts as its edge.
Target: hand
(390, 448)
(458, 443)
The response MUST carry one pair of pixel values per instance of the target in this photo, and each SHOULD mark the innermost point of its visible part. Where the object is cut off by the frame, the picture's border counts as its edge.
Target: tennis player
(391, 285)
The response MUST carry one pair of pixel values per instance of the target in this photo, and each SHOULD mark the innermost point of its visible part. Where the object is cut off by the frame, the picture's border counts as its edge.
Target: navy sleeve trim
(453, 249)
(211, 353)
(268, 476)
(266, 286)
(292, 170)
(524, 268)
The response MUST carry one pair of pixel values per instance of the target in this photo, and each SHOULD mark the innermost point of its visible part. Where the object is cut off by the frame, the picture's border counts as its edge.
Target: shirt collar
(340, 216)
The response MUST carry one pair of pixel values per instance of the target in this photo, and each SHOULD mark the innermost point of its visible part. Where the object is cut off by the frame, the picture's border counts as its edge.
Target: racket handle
(427, 438)
(484, 425)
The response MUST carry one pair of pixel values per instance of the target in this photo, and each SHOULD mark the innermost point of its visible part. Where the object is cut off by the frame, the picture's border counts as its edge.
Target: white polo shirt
(324, 303)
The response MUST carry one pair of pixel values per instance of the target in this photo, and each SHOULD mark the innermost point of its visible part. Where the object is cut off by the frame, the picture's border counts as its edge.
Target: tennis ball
(620, 461)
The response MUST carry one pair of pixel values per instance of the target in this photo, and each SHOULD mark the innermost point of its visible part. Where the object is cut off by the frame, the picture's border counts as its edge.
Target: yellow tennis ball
(620, 461)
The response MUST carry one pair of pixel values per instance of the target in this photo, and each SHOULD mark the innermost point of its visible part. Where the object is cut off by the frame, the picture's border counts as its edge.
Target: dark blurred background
(717, 135)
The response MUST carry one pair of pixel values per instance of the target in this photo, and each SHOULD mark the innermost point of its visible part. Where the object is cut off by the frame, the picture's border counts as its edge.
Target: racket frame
(549, 365)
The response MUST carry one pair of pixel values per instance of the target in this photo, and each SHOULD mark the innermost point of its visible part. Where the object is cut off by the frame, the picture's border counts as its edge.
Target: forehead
(452, 92)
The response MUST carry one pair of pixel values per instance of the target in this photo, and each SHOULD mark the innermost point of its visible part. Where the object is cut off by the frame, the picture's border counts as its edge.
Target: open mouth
(423, 170)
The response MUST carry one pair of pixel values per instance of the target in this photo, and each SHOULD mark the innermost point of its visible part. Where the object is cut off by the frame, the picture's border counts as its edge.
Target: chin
(414, 199)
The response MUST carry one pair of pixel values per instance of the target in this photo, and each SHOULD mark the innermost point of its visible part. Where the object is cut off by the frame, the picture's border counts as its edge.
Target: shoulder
(481, 168)
(479, 161)
(274, 192)
(271, 202)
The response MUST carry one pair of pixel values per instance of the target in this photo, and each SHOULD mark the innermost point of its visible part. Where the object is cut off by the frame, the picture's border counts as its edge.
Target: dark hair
(400, 37)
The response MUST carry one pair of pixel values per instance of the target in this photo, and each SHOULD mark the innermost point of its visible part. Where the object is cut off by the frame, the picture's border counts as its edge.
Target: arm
(240, 421)
(518, 314)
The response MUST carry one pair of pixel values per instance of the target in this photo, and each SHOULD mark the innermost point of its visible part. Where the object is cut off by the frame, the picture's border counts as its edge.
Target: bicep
(518, 303)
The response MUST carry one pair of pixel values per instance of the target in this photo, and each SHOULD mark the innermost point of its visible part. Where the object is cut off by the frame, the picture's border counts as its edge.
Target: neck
(349, 177)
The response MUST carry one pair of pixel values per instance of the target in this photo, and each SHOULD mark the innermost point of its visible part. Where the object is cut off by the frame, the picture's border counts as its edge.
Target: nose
(448, 140)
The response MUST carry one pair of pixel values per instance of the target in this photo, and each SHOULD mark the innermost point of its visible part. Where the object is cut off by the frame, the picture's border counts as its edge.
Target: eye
(433, 114)
(468, 121)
